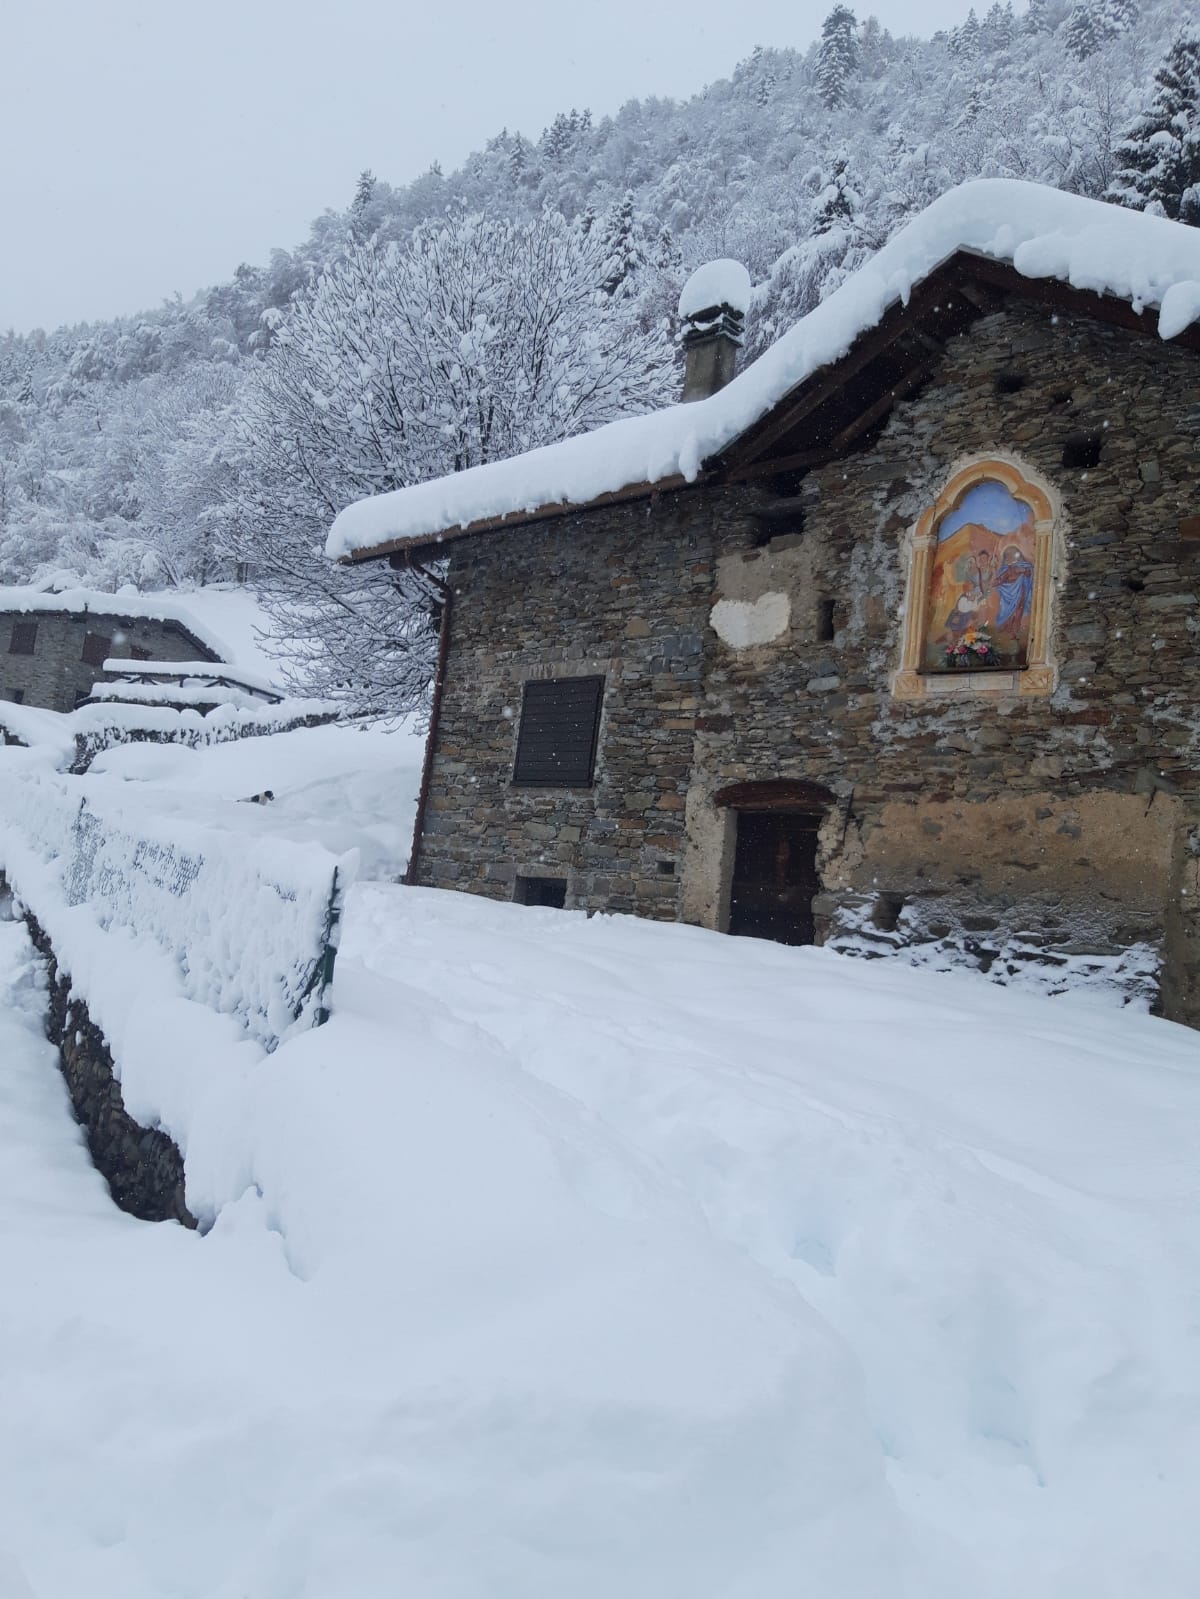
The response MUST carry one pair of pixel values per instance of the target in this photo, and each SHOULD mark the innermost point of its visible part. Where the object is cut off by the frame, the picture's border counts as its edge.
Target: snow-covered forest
(531, 294)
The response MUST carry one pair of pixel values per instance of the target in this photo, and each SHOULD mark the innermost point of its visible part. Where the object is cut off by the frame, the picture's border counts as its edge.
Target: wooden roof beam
(842, 440)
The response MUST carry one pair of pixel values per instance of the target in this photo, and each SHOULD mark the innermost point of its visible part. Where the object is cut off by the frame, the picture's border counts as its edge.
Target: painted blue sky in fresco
(989, 504)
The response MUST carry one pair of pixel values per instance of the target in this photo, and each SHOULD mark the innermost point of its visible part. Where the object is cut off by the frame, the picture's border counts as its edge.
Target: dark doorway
(775, 876)
(550, 891)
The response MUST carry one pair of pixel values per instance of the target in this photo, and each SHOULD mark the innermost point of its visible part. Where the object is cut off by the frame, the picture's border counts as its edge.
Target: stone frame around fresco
(1038, 676)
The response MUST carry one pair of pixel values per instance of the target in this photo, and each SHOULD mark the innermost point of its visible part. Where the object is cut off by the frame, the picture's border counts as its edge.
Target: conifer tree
(998, 26)
(1084, 32)
(836, 56)
(966, 41)
(625, 249)
(364, 193)
(364, 190)
(1159, 159)
(1120, 15)
(839, 203)
(667, 255)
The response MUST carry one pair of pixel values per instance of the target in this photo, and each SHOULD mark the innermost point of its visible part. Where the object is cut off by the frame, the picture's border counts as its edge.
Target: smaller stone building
(53, 646)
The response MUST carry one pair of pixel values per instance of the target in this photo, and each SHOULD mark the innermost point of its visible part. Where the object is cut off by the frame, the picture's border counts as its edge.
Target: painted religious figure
(981, 584)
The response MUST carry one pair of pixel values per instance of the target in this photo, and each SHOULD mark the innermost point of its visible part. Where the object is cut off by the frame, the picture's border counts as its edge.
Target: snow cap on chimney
(713, 304)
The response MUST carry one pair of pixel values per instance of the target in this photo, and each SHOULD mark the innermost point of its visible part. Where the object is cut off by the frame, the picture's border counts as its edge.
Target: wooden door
(775, 876)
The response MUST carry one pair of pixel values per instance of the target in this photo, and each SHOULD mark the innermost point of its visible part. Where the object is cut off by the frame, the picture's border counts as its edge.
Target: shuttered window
(24, 638)
(96, 649)
(556, 742)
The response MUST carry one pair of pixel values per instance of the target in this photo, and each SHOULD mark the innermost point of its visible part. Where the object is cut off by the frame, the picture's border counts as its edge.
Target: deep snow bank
(598, 1257)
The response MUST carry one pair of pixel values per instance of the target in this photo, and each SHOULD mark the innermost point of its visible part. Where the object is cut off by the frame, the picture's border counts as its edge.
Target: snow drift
(597, 1257)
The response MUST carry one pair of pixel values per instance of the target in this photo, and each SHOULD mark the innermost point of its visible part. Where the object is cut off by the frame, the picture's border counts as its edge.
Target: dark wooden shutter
(556, 742)
(24, 638)
(96, 649)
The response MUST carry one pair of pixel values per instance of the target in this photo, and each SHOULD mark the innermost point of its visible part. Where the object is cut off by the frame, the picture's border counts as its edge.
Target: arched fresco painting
(981, 583)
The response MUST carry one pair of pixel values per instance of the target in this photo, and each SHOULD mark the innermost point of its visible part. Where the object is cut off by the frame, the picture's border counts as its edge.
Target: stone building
(53, 646)
(890, 642)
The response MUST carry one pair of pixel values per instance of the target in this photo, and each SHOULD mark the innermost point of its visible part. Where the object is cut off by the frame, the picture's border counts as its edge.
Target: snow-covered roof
(127, 602)
(203, 671)
(1041, 232)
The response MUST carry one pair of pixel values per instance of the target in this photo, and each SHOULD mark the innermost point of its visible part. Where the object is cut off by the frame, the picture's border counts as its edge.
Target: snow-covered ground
(341, 786)
(593, 1258)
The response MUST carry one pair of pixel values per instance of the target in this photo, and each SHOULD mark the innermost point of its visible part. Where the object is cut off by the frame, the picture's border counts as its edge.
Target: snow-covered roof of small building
(1038, 231)
(126, 602)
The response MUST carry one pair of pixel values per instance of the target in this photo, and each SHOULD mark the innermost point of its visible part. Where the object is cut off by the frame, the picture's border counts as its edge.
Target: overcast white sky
(147, 148)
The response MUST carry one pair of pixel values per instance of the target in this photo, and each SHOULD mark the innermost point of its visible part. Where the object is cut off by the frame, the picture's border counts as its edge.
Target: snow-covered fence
(250, 922)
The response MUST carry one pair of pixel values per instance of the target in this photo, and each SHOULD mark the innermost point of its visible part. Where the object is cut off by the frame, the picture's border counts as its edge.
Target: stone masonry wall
(1050, 821)
(142, 1166)
(602, 596)
(56, 676)
(1058, 823)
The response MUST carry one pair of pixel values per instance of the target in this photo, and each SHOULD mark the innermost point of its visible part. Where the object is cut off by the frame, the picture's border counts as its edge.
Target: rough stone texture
(598, 600)
(110, 735)
(57, 677)
(142, 1166)
(1072, 820)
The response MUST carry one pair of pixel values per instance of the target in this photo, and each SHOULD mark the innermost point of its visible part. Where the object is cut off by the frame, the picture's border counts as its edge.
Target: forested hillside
(470, 314)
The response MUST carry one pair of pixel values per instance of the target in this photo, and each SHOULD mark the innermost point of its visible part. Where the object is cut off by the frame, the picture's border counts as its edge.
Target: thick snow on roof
(722, 282)
(206, 671)
(227, 620)
(128, 602)
(1042, 232)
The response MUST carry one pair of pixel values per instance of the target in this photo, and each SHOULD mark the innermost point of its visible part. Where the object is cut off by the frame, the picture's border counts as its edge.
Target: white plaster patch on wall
(743, 623)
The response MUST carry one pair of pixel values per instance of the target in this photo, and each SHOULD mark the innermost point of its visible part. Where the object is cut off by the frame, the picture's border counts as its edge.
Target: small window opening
(1010, 382)
(885, 913)
(551, 891)
(137, 653)
(15, 696)
(24, 638)
(1082, 450)
(97, 648)
(666, 868)
(825, 620)
(787, 516)
(786, 484)
(1135, 584)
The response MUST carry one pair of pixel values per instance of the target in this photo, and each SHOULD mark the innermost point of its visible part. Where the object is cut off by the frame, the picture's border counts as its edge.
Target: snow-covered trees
(1158, 162)
(118, 449)
(481, 339)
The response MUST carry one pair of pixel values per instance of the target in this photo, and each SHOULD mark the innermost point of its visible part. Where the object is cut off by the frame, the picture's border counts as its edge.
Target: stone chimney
(713, 308)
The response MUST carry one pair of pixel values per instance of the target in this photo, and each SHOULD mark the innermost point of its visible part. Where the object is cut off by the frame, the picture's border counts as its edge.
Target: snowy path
(595, 1258)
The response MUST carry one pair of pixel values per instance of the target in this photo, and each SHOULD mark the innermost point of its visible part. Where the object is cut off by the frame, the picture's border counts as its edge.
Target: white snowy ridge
(1042, 232)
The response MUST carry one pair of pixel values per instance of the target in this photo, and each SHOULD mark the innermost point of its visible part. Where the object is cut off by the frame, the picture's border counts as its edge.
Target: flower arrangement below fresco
(973, 650)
